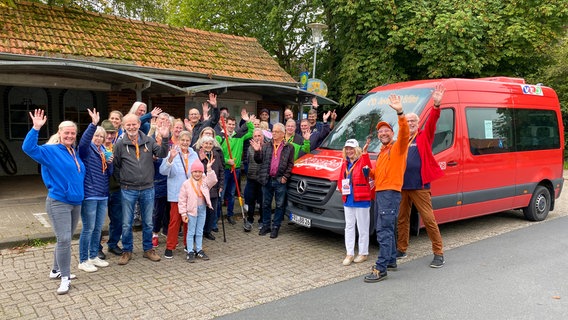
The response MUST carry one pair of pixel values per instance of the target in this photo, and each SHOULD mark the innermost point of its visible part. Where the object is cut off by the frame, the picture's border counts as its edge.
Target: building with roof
(65, 60)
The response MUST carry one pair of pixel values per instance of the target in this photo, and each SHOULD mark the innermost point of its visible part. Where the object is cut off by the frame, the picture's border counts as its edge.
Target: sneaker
(231, 220)
(375, 275)
(98, 262)
(348, 259)
(400, 254)
(155, 240)
(215, 229)
(360, 258)
(152, 255)
(392, 267)
(437, 262)
(185, 249)
(64, 286)
(201, 255)
(274, 232)
(124, 258)
(115, 250)
(209, 235)
(101, 255)
(54, 275)
(168, 254)
(87, 267)
(247, 226)
(191, 257)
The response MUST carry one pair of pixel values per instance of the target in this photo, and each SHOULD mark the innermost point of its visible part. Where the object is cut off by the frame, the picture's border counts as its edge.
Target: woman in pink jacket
(193, 199)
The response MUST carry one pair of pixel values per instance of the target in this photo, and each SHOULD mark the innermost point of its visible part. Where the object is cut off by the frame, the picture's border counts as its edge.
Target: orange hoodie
(391, 161)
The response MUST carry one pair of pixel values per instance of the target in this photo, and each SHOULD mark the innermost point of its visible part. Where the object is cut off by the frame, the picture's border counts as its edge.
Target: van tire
(539, 206)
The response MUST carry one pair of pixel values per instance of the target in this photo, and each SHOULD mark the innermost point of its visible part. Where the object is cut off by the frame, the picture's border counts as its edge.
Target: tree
(279, 26)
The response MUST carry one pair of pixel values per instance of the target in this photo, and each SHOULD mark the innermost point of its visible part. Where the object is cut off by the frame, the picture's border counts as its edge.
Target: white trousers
(360, 217)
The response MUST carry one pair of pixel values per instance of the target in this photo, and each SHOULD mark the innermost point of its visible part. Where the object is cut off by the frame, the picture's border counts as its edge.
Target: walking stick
(246, 225)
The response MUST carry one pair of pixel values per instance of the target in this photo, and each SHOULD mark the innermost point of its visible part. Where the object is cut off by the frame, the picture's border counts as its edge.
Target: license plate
(301, 221)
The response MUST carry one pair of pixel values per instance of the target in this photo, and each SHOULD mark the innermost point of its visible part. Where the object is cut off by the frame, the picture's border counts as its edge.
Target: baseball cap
(352, 143)
(383, 123)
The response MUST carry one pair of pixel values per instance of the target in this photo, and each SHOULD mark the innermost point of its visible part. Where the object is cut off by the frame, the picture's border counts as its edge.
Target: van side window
(536, 130)
(490, 130)
(444, 135)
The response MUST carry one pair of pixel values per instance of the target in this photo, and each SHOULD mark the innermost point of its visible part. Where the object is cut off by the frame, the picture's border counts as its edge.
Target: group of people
(173, 173)
(403, 171)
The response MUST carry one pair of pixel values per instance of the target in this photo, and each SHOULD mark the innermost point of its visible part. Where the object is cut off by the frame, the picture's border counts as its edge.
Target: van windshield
(361, 120)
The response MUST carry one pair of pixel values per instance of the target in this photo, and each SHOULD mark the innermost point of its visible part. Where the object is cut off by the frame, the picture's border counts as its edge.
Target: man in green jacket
(233, 159)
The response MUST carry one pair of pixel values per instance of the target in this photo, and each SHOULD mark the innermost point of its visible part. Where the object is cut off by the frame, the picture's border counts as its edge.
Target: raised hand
(333, 115)
(315, 102)
(255, 145)
(173, 153)
(164, 131)
(95, 117)
(205, 107)
(326, 116)
(212, 100)
(438, 94)
(188, 125)
(367, 143)
(210, 164)
(307, 134)
(245, 115)
(155, 112)
(395, 103)
(38, 118)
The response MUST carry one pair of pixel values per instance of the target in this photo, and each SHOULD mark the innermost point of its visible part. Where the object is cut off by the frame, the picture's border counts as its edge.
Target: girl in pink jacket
(193, 197)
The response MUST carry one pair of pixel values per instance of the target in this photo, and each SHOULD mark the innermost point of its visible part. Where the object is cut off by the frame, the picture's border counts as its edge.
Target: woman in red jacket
(353, 183)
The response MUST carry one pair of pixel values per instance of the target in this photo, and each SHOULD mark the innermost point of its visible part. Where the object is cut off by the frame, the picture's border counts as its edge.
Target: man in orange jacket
(388, 177)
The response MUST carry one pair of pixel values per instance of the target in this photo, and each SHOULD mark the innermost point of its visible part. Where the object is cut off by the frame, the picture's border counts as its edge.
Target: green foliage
(146, 10)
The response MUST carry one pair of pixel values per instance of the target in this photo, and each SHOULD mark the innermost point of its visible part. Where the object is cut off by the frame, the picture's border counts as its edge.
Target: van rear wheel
(539, 206)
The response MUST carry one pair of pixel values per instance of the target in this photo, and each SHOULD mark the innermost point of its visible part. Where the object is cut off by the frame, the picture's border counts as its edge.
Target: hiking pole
(246, 225)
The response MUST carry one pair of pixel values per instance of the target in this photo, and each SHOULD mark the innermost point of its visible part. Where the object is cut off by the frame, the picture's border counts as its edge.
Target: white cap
(352, 143)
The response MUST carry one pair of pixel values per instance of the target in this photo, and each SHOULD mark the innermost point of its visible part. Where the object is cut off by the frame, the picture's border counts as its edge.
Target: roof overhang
(270, 92)
(72, 75)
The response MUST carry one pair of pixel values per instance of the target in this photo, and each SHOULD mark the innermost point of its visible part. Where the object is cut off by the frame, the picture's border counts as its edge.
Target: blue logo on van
(532, 89)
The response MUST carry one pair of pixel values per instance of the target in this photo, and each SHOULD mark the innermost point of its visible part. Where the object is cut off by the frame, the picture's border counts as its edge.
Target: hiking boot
(155, 240)
(191, 257)
(347, 261)
(375, 275)
(264, 230)
(152, 255)
(87, 267)
(360, 258)
(231, 220)
(400, 254)
(168, 254)
(201, 255)
(274, 233)
(98, 262)
(437, 262)
(124, 258)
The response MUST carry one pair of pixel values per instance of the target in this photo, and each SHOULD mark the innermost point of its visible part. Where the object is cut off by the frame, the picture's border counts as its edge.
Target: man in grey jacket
(134, 167)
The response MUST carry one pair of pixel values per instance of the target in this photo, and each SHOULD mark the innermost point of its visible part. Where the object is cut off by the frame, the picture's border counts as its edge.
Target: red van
(499, 141)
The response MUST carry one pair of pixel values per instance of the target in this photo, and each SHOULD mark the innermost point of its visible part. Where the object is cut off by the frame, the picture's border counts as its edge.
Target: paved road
(249, 271)
(522, 274)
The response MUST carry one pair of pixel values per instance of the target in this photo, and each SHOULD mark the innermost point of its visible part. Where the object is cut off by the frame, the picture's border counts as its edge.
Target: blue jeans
(386, 213)
(195, 229)
(277, 190)
(146, 200)
(230, 187)
(115, 219)
(64, 218)
(93, 214)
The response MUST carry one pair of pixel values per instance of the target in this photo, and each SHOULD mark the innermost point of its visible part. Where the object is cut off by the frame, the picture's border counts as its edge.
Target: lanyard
(72, 153)
(348, 172)
(103, 160)
(276, 146)
(137, 148)
(197, 190)
(184, 162)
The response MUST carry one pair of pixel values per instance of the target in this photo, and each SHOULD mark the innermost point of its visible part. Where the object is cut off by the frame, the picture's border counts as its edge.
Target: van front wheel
(539, 206)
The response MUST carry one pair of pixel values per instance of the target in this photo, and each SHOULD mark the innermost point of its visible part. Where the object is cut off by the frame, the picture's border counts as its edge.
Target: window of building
(22, 101)
(75, 105)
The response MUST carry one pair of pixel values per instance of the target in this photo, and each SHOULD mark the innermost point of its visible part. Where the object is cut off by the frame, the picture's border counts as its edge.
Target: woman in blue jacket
(99, 168)
(63, 174)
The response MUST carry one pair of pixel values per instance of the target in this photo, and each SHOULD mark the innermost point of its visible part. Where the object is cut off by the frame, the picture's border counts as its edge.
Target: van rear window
(500, 130)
